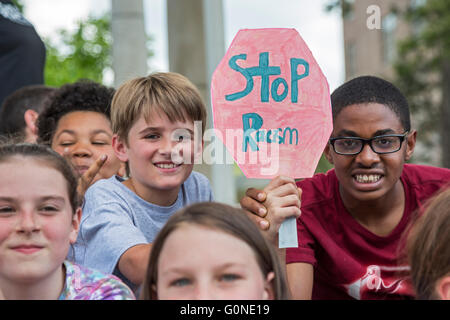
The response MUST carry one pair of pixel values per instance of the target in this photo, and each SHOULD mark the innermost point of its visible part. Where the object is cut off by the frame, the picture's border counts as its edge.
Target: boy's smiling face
(369, 176)
(83, 137)
(160, 154)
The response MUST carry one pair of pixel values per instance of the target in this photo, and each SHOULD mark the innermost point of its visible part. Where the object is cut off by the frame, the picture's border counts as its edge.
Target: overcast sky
(321, 31)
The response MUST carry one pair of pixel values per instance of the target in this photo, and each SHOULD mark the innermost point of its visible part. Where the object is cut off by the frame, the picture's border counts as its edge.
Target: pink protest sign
(271, 104)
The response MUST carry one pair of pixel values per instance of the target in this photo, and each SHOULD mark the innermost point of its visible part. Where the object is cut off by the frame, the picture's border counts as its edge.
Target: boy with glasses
(353, 217)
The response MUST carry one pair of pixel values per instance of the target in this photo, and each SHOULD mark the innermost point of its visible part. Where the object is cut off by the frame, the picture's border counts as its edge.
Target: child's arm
(133, 263)
(300, 278)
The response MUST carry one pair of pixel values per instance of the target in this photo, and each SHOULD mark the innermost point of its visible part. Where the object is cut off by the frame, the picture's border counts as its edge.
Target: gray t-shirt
(115, 219)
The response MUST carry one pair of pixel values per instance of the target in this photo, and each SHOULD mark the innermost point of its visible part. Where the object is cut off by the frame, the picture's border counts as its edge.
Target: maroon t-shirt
(350, 261)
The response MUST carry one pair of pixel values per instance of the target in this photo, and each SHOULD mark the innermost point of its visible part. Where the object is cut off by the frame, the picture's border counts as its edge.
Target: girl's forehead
(33, 167)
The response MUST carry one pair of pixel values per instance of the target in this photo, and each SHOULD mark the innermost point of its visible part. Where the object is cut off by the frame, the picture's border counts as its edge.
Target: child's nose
(367, 157)
(81, 149)
(203, 291)
(166, 146)
(27, 222)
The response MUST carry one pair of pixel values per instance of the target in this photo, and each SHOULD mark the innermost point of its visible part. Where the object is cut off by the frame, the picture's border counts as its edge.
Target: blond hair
(166, 93)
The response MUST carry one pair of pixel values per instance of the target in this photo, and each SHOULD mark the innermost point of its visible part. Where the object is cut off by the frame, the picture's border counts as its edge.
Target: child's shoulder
(197, 177)
(83, 283)
(108, 186)
(106, 192)
(419, 174)
(198, 186)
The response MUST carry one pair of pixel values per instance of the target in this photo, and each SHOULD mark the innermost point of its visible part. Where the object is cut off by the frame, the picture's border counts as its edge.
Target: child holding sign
(153, 124)
(352, 217)
(240, 265)
(39, 220)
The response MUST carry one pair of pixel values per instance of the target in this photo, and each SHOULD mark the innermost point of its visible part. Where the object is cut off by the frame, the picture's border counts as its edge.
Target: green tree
(83, 53)
(423, 72)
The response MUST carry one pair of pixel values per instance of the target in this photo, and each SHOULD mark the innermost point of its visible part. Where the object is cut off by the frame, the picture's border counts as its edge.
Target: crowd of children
(103, 203)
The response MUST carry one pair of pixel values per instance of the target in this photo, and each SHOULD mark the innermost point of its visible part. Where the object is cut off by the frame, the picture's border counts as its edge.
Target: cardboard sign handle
(287, 235)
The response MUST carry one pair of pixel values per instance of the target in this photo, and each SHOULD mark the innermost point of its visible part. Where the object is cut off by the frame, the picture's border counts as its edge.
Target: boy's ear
(410, 144)
(120, 148)
(327, 152)
(30, 117)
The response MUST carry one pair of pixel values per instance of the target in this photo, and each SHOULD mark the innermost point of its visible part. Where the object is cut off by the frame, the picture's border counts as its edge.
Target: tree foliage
(423, 71)
(82, 53)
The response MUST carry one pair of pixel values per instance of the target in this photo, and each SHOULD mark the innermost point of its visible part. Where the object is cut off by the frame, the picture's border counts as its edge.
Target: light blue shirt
(115, 219)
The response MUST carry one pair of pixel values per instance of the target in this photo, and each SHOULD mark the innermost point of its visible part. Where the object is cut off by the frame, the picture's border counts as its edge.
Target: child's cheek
(58, 235)
(5, 231)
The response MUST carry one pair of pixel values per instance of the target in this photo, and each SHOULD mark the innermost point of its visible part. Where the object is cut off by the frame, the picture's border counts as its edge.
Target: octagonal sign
(271, 104)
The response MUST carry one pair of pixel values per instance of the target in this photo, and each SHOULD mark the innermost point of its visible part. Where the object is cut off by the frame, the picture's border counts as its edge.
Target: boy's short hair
(83, 95)
(34, 97)
(166, 93)
(370, 89)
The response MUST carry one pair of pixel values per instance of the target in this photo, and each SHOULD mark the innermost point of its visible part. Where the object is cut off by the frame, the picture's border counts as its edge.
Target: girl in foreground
(213, 251)
(39, 220)
(429, 250)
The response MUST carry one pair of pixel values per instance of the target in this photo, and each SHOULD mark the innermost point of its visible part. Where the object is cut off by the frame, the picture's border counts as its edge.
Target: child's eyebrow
(159, 129)
(383, 132)
(43, 198)
(53, 197)
(147, 129)
(93, 132)
(71, 132)
(349, 133)
(97, 131)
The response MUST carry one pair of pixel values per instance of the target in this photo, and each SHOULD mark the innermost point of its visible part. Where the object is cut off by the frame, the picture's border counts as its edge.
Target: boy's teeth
(363, 178)
(166, 165)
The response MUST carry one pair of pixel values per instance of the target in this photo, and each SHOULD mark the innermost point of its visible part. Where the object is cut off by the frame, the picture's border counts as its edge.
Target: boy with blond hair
(153, 123)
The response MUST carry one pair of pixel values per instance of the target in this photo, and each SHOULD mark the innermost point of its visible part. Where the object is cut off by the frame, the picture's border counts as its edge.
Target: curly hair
(83, 95)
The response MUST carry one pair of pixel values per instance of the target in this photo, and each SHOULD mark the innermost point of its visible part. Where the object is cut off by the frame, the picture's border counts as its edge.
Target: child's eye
(6, 209)
(66, 143)
(99, 143)
(180, 282)
(184, 137)
(152, 136)
(48, 209)
(229, 277)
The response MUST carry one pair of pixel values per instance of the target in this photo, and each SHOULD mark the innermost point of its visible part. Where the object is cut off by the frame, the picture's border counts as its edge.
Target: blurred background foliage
(82, 53)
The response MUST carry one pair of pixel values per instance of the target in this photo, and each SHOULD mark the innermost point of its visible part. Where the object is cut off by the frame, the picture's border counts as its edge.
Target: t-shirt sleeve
(305, 251)
(106, 233)
(113, 289)
(199, 188)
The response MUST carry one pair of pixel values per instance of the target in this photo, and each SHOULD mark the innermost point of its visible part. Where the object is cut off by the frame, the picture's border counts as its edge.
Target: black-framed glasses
(351, 146)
